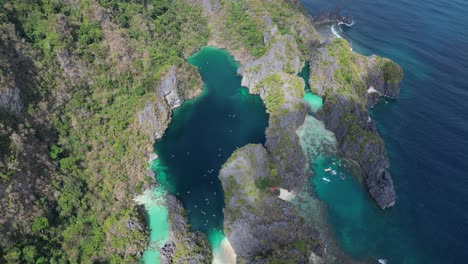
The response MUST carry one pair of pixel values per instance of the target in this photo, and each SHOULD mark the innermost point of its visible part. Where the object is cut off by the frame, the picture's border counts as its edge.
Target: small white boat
(326, 179)
(327, 169)
(333, 172)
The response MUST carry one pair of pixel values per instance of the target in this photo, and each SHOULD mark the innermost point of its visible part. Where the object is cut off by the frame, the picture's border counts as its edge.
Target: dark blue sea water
(426, 130)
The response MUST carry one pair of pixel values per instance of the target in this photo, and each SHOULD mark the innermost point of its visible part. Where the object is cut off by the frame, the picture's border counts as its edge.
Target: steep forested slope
(74, 76)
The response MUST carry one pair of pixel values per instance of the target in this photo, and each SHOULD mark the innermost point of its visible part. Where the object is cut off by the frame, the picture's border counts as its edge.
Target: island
(88, 87)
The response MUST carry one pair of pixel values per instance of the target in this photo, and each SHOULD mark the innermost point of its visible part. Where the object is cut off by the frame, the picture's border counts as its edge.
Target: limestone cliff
(177, 85)
(183, 246)
(86, 87)
(273, 77)
(351, 83)
(260, 226)
(75, 77)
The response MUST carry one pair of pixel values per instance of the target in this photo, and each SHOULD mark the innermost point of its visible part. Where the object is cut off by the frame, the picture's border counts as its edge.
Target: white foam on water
(346, 24)
(333, 30)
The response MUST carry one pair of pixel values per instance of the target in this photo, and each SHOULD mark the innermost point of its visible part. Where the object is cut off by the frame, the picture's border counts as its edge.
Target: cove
(362, 230)
(353, 214)
(202, 135)
(349, 209)
(314, 101)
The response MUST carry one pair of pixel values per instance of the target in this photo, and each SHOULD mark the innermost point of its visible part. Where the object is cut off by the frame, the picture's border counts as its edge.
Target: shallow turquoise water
(157, 216)
(203, 133)
(315, 102)
(350, 210)
(353, 215)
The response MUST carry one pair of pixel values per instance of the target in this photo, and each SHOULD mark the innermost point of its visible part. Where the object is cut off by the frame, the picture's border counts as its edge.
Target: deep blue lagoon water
(203, 134)
(425, 131)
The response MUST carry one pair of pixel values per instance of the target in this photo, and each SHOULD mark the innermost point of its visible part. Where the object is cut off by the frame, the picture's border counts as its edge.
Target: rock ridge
(183, 246)
(350, 87)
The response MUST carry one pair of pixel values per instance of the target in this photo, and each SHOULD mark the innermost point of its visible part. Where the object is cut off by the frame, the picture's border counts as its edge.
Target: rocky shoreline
(346, 107)
(257, 222)
(332, 16)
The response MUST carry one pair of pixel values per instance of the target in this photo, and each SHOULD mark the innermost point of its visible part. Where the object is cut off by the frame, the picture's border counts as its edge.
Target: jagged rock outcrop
(350, 83)
(256, 219)
(10, 99)
(332, 16)
(260, 226)
(17, 71)
(178, 85)
(384, 76)
(283, 56)
(154, 118)
(168, 88)
(183, 246)
(274, 78)
(284, 146)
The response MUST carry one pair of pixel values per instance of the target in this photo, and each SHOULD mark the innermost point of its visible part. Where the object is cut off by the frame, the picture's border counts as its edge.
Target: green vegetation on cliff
(392, 72)
(274, 98)
(97, 63)
(348, 74)
(239, 25)
(274, 87)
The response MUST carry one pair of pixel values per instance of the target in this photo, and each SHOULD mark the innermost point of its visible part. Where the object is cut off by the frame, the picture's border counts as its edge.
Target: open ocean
(425, 131)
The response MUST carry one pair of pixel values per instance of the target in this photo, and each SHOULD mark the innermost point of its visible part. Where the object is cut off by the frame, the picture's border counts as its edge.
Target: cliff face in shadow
(260, 226)
(183, 246)
(350, 84)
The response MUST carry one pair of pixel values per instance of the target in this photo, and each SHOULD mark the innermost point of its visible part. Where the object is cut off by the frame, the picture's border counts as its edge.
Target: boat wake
(326, 179)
